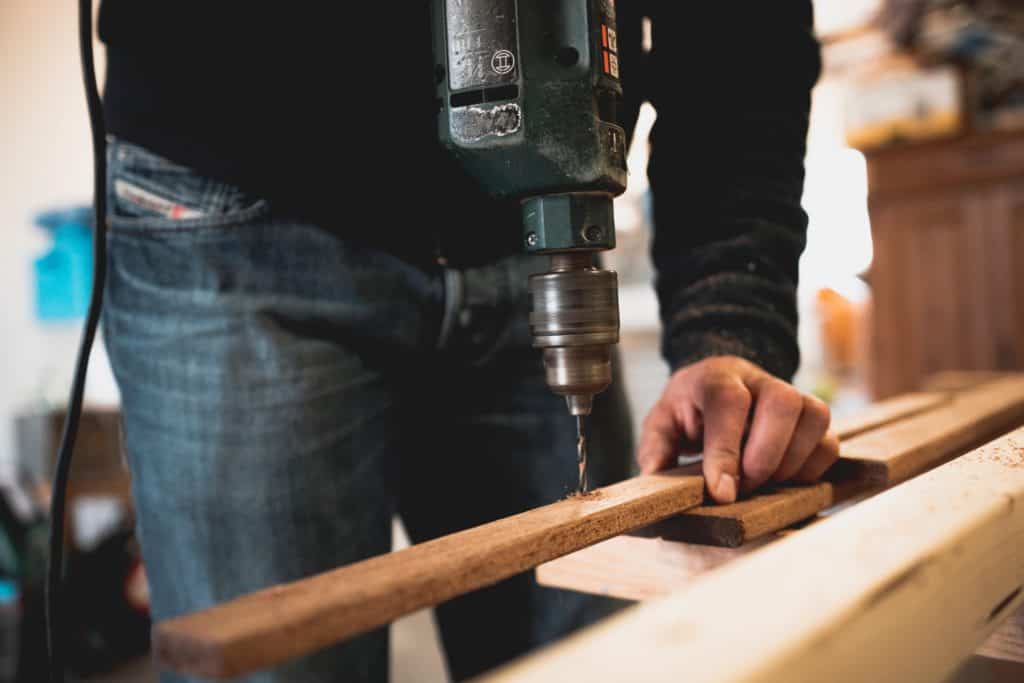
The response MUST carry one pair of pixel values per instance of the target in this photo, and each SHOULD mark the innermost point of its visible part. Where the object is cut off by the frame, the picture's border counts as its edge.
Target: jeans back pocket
(146, 192)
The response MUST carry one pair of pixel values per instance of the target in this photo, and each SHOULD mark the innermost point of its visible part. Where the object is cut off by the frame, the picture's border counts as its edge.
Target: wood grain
(948, 165)
(287, 621)
(635, 568)
(870, 461)
(904, 449)
(639, 569)
(945, 282)
(1008, 640)
(886, 412)
(642, 568)
(960, 380)
(843, 600)
(741, 522)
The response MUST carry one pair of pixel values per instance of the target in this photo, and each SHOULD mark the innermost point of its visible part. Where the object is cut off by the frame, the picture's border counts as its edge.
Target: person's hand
(711, 402)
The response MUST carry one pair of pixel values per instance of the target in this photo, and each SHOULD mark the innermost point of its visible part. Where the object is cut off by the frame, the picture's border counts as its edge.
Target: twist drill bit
(581, 454)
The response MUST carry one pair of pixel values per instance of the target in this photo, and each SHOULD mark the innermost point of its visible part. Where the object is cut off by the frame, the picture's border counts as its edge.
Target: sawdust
(585, 495)
(1008, 454)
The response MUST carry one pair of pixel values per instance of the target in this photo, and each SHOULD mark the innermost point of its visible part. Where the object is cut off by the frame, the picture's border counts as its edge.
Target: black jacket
(292, 101)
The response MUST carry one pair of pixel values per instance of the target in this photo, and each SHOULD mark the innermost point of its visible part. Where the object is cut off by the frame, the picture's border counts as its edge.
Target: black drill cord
(54, 635)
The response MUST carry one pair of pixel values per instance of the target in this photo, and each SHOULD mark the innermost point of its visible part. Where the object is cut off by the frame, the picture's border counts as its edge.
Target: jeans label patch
(149, 201)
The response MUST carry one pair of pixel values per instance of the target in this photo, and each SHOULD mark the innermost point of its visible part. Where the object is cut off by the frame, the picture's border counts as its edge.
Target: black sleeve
(731, 84)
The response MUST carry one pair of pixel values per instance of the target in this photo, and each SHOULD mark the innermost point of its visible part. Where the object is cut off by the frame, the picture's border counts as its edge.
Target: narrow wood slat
(639, 568)
(287, 621)
(903, 586)
(869, 462)
(906, 448)
(960, 380)
(888, 411)
(635, 568)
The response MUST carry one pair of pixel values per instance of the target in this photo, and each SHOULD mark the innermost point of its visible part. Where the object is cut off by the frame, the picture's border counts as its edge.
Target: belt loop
(454, 298)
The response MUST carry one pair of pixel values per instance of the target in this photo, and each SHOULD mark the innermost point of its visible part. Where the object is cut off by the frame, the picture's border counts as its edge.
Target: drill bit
(581, 454)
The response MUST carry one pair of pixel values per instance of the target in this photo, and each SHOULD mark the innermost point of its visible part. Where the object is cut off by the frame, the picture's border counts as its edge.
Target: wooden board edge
(931, 551)
(262, 629)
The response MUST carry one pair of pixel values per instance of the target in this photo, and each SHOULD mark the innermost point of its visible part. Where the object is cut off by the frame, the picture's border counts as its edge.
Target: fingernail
(726, 491)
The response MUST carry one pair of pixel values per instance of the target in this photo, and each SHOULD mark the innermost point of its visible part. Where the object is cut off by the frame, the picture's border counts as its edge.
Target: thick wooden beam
(900, 587)
(281, 623)
(870, 461)
(638, 569)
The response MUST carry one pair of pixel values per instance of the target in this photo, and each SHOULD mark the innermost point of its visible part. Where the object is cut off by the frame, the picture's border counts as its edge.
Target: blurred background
(915, 192)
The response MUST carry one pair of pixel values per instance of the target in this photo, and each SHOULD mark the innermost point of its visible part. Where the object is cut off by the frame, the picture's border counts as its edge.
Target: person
(317, 320)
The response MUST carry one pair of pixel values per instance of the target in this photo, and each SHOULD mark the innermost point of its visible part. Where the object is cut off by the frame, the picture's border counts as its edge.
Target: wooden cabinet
(948, 230)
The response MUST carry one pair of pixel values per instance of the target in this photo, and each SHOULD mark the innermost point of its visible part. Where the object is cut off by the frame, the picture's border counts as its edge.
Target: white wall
(45, 161)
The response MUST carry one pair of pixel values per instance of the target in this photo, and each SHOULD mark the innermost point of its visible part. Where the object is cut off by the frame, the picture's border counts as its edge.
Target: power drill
(527, 94)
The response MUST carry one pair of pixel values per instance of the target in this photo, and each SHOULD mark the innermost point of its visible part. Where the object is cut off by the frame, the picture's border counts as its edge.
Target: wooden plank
(888, 411)
(639, 569)
(636, 568)
(746, 520)
(960, 380)
(905, 449)
(643, 568)
(869, 462)
(287, 621)
(901, 587)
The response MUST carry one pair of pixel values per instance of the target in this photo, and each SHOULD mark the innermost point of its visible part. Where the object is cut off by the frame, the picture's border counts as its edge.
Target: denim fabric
(286, 392)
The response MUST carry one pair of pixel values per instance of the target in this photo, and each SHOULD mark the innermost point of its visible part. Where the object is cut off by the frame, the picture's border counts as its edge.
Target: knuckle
(783, 401)
(817, 411)
(650, 421)
(726, 390)
(790, 466)
(697, 374)
(757, 471)
(720, 365)
(784, 475)
(712, 363)
(820, 463)
(759, 466)
(743, 365)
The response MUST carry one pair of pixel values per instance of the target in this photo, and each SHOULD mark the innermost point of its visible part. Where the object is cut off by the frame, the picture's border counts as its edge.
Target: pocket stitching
(155, 224)
(161, 224)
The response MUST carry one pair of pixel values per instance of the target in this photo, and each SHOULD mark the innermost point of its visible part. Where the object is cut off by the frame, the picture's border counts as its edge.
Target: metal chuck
(575, 320)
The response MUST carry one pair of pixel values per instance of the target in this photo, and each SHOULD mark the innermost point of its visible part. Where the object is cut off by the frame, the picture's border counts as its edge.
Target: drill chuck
(528, 94)
(575, 320)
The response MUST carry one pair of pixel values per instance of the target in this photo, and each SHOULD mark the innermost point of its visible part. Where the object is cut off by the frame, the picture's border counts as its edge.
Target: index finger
(724, 403)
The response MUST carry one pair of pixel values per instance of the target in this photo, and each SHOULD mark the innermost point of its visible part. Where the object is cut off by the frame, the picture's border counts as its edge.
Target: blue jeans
(286, 392)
